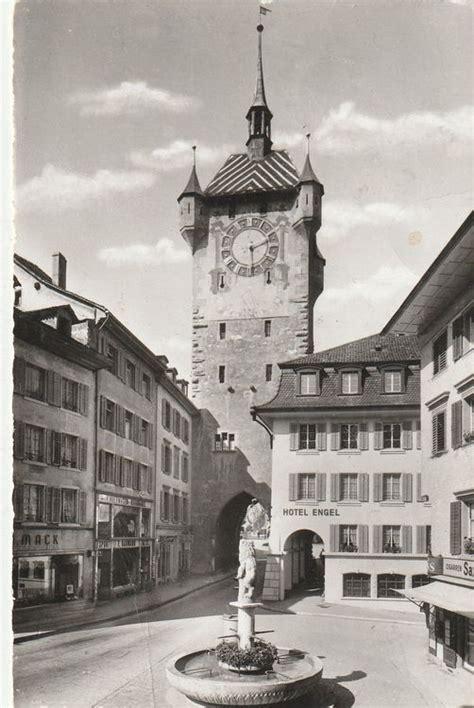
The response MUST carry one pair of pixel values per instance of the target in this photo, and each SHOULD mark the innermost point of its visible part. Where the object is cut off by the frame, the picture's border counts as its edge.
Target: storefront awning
(454, 598)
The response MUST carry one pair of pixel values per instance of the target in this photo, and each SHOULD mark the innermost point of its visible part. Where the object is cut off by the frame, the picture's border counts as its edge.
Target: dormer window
(308, 383)
(351, 382)
(392, 381)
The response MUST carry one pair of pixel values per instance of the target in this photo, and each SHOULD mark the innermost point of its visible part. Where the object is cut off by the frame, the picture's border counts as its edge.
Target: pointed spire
(260, 99)
(307, 174)
(193, 186)
(259, 115)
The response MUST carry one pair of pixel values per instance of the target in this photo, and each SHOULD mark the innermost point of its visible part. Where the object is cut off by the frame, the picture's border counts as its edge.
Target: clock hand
(262, 243)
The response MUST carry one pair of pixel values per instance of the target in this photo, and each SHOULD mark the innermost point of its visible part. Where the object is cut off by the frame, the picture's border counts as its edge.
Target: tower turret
(193, 217)
(308, 209)
(259, 116)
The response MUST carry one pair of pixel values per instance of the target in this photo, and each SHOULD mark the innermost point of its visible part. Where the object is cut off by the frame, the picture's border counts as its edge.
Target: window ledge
(307, 452)
(388, 451)
(307, 502)
(439, 454)
(30, 524)
(349, 452)
(36, 400)
(393, 503)
(349, 502)
(37, 463)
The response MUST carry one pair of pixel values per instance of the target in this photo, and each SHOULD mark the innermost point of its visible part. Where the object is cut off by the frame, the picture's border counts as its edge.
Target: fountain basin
(199, 677)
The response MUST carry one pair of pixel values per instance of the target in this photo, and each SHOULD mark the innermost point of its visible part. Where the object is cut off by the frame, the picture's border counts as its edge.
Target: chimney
(59, 270)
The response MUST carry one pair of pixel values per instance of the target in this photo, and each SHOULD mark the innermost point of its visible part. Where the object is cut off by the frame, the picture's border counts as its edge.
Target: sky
(110, 97)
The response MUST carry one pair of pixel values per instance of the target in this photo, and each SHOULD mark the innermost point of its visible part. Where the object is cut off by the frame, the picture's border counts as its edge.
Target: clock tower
(257, 273)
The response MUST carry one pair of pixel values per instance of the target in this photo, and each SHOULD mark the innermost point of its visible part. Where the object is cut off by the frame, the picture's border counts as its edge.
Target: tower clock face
(250, 246)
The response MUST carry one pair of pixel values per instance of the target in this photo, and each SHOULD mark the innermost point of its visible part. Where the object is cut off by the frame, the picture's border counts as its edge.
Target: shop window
(69, 513)
(34, 443)
(125, 522)
(391, 539)
(392, 436)
(350, 382)
(23, 569)
(112, 355)
(308, 383)
(38, 570)
(388, 583)
(348, 538)
(33, 502)
(348, 487)
(349, 436)
(222, 330)
(440, 348)
(439, 432)
(417, 581)
(356, 585)
(104, 529)
(125, 568)
(146, 386)
(130, 374)
(35, 382)
(391, 487)
(307, 436)
(166, 462)
(393, 381)
(70, 395)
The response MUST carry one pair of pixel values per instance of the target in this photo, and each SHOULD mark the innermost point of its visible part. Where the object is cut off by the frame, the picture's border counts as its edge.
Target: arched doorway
(228, 526)
(304, 561)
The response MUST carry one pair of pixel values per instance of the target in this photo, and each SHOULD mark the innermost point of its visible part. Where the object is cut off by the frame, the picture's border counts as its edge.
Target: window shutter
(363, 484)
(378, 436)
(150, 436)
(54, 504)
(121, 366)
(102, 465)
(363, 437)
(406, 539)
(118, 462)
(321, 486)
(421, 539)
(102, 412)
(162, 506)
(419, 493)
(335, 487)
(377, 539)
(82, 454)
(418, 434)
(456, 424)
(293, 436)
(55, 448)
(19, 440)
(407, 435)
(455, 527)
(82, 507)
(136, 428)
(54, 382)
(163, 413)
(335, 437)
(293, 490)
(407, 487)
(18, 502)
(469, 326)
(333, 538)
(163, 460)
(120, 415)
(363, 540)
(83, 399)
(19, 369)
(321, 436)
(49, 447)
(377, 487)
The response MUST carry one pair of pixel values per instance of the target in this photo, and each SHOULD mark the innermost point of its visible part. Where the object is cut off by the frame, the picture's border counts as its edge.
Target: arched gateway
(303, 560)
(227, 532)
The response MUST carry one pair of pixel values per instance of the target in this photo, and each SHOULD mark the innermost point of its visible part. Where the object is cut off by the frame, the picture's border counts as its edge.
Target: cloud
(288, 140)
(178, 155)
(164, 252)
(130, 98)
(56, 189)
(384, 285)
(345, 130)
(341, 217)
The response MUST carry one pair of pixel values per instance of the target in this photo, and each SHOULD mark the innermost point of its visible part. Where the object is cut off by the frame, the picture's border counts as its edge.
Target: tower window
(222, 329)
(221, 374)
(268, 372)
(268, 328)
(222, 280)
(268, 277)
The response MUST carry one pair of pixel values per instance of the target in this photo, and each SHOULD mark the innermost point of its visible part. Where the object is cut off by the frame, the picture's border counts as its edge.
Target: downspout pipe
(258, 419)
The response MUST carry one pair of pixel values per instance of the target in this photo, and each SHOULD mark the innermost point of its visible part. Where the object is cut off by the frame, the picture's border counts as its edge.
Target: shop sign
(121, 543)
(123, 501)
(314, 511)
(458, 568)
(38, 539)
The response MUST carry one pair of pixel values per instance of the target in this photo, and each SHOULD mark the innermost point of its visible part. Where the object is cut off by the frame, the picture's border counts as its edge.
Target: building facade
(176, 416)
(257, 273)
(348, 511)
(54, 459)
(440, 311)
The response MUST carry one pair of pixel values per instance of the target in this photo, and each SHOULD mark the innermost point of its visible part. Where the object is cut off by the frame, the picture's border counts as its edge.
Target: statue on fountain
(247, 571)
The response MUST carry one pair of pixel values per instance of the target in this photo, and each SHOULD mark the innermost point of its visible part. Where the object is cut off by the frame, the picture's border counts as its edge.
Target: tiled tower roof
(241, 175)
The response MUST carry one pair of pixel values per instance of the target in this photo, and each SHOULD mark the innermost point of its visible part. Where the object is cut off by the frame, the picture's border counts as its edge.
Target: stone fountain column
(246, 622)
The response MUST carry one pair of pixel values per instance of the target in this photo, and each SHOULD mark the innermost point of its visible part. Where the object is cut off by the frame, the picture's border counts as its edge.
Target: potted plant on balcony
(468, 545)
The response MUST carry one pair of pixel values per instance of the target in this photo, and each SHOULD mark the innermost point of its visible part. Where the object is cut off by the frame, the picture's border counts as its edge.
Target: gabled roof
(33, 268)
(375, 349)
(240, 175)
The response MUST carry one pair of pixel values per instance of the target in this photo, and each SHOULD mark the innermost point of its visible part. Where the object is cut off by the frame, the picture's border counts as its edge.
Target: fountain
(244, 670)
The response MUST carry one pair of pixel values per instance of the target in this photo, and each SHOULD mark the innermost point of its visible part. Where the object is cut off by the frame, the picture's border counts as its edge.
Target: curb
(27, 637)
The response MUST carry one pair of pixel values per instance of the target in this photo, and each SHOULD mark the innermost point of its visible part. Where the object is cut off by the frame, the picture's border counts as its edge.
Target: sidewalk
(41, 620)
